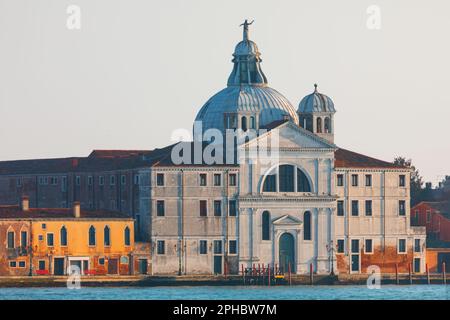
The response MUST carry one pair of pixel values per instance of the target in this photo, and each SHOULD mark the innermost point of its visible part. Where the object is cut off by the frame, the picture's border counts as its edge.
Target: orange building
(51, 241)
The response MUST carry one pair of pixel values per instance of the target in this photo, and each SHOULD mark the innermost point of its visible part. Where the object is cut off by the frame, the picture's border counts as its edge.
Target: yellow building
(93, 242)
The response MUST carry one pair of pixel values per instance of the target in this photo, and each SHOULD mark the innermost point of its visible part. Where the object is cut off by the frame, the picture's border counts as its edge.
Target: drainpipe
(31, 249)
(225, 180)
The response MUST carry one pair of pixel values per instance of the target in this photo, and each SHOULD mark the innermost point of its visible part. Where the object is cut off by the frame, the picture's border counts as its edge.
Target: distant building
(316, 205)
(435, 217)
(49, 241)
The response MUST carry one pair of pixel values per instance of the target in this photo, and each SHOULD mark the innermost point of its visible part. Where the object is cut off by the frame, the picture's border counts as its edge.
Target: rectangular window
(44, 226)
(90, 181)
(368, 246)
(112, 180)
(203, 247)
(402, 207)
(54, 181)
(101, 181)
(217, 179)
(136, 179)
(232, 247)
(22, 264)
(340, 208)
(355, 246)
(217, 246)
(50, 240)
(64, 184)
(340, 246)
(123, 179)
(217, 208)
(203, 179)
(354, 180)
(232, 181)
(355, 208)
(428, 216)
(12, 264)
(161, 247)
(19, 182)
(232, 208)
(101, 261)
(41, 265)
(368, 180)
(402, 180)
(368, 207)
(340, 180)
(203, 208)
(11, 240)
(77, 180)
(417, 247)
(23, 239)
(160, 210)
(160, 179)
(401, 245)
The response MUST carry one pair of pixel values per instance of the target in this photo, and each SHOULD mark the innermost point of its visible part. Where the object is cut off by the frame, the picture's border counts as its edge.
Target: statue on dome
(246, 24)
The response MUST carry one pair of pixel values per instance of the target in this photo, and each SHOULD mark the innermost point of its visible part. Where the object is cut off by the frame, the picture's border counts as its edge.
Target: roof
(98, 160)
(348, 159)
(15, 212)
(443, 207)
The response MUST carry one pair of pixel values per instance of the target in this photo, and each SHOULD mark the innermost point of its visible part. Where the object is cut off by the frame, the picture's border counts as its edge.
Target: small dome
(246, 47)
(265, 101)
(316, 102)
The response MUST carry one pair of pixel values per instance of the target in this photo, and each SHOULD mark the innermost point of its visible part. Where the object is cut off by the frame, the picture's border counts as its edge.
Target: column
(322, 241)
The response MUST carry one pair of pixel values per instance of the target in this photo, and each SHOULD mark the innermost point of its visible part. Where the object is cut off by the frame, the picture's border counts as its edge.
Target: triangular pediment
(286, 220)
(291, 136)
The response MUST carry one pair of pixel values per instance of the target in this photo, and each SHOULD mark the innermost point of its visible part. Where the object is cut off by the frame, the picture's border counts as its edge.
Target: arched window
(319, 125)
(307, 225)
(327, 125)
(244, 123)
(63, 236)
(302, 182)
(286, 178)
(266, 225)
(252, 123)
(127, 236)
(91, 236)
(107, 236)
(282, 179)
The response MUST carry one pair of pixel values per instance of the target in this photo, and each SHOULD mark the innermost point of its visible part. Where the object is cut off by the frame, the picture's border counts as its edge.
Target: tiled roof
(15, 212)
(443, 207)
(349, 159)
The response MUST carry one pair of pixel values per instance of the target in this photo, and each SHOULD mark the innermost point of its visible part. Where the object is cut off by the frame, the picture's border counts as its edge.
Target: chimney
(25, 203)
(76, 209)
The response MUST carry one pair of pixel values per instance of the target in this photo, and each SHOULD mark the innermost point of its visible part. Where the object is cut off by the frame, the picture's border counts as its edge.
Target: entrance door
(355, 256)
(217, 264)
(58, 265)
(113, 266)
(142, 266)
(417, 265)
(287, 252)
(443, 257)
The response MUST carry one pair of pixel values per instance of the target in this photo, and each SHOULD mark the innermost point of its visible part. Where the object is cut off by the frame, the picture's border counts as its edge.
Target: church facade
(302, 203)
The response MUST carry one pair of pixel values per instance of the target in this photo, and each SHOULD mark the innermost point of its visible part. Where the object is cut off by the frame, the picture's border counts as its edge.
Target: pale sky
(137, 70)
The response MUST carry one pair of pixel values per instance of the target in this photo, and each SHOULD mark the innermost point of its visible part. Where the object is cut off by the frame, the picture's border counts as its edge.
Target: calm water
(433, 292)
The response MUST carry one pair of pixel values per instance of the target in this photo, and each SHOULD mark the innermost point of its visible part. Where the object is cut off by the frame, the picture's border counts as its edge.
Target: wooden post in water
(311, 277)
(410, 274)
(428, 273)
(225, 269)
(243, 273)
(396, 273)
(444, 276)
(289, 271)
(253, 270)
(268, 278)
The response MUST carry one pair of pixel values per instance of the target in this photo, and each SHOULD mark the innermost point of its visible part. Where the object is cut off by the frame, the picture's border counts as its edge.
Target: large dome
(247, 93)
(265, 101)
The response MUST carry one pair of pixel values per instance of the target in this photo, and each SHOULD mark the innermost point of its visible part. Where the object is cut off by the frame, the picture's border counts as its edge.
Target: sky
(137, 70)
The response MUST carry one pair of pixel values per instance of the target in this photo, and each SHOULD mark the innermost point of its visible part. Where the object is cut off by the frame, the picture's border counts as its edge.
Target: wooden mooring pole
(311, 276)
(444, 276)
(289, 272)
(428, 273)
(268, 278)
(396, 273)
(410, 273)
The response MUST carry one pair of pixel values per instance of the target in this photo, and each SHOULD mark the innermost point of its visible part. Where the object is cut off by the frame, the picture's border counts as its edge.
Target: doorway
(287, 252)
(355, 256)
(217, 264)
(142, 266)
(417, 265)
(58, 265)
(443, 257)
(113, 266)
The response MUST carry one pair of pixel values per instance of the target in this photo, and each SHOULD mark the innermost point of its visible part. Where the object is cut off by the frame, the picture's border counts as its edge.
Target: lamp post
(330, 249)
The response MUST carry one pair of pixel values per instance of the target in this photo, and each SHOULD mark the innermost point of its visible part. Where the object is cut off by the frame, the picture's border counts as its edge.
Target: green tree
(416, 180)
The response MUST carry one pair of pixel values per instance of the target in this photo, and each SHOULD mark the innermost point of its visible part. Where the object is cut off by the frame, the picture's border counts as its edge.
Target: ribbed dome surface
(316, 102)
(269, 103)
